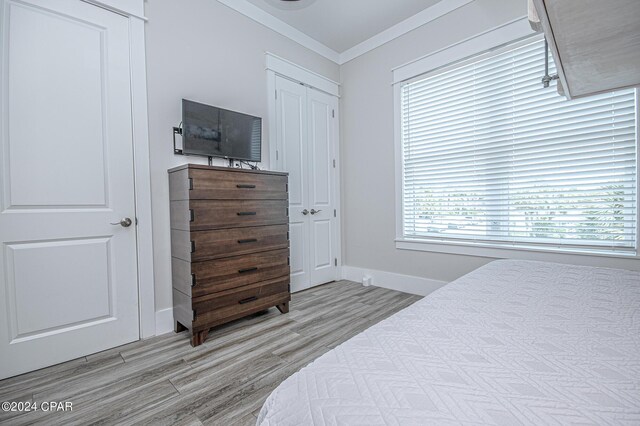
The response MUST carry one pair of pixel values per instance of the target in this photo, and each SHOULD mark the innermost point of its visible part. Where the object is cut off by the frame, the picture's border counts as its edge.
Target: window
(491, 156)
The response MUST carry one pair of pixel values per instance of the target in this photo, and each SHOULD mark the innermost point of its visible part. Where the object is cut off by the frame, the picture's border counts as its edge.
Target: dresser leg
(198, 338)
(283, 307)
(179, 327)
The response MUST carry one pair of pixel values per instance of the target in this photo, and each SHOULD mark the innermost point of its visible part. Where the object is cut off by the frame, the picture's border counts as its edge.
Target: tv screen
(217, 132)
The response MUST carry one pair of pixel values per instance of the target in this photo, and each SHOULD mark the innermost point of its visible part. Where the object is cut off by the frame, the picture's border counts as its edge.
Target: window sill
(628, 260)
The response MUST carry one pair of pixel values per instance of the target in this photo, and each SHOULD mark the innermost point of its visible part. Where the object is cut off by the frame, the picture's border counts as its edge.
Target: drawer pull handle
(248, 240)
(242, 186)
(247, 300)
(244, 271)
(246, 213)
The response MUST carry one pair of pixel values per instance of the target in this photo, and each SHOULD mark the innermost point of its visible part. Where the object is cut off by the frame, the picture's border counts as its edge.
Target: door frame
(277, 66)
(133, 10)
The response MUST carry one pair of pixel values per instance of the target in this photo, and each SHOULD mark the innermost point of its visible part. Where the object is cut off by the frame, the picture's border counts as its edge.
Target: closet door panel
(291, 128)
(322, 132)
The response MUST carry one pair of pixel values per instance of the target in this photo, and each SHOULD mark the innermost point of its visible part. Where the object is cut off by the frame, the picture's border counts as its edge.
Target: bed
(514, 342)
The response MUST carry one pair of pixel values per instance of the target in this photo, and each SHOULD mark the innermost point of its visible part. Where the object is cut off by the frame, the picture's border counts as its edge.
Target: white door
(321, 131)
(291, 131)
(68, 284)
(306, 139)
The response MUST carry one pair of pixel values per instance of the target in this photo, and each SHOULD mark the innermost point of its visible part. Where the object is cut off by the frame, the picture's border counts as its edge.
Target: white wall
(204, 51)
(368, 186)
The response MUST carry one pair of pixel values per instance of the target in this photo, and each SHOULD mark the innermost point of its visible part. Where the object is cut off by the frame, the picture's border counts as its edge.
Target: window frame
(486, 44)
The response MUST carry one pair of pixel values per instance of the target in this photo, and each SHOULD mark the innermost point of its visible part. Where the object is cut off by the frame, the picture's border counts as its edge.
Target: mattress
(514, 342)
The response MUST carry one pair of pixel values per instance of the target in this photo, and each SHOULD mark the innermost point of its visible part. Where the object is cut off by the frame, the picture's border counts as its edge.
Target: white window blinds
(489, 155)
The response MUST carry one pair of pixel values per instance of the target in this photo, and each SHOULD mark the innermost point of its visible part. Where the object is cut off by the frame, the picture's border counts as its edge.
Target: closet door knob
(125, 222)
(314, 211)
(305, 212)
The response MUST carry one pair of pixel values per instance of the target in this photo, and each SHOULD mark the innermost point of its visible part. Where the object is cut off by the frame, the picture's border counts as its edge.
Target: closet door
(322, 133)
(306, 138)
(291, 128)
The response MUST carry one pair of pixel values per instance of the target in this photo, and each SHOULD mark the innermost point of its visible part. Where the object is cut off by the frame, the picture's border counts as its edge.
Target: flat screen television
(217, 132)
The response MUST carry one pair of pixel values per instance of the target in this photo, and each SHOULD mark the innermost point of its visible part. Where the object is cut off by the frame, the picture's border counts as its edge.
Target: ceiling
(342, 24)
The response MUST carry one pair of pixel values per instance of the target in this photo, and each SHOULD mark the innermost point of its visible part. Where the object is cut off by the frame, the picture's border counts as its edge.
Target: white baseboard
(164, 321)
(391, 280)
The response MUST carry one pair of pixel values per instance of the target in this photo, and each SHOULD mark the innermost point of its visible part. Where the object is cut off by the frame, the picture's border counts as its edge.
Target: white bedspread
(513, 342)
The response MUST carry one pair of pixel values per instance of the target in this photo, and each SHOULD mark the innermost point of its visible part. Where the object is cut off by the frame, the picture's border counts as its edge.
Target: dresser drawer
(208, 319)
(222, 274)
(200, 215)
(221, 185)
(241, 296)
(205, 245)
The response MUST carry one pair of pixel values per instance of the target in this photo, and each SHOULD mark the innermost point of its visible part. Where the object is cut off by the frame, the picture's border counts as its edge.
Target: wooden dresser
(229, 245)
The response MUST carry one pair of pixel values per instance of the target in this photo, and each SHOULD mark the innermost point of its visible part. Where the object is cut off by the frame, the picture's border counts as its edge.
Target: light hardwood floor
(164, 381)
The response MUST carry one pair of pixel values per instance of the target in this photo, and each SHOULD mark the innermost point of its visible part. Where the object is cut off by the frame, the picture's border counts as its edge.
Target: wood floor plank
(211, 399)
(25, 380)
(207, 372)
(248, 420)
(7, 416)
(149, 343)
(225, 381)
(154, 395)
(59, 376)
(118, 384)
(104, 379)
(256, 334)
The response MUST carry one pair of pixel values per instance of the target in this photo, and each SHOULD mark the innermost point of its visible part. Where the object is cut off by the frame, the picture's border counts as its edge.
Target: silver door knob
(125, 222)
(305, 212)
(314, 211)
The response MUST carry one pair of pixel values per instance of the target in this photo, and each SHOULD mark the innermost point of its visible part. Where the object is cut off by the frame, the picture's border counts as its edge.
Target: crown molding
(264, 18)
(427, 15)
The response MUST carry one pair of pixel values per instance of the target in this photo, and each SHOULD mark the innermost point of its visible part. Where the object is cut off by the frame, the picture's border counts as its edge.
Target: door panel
(306, 136)
(321, 231)
(319, 158)
(291, 130)
(68, 277)
(36, 308)
(298, 260)
(321, 136)
(76, 119)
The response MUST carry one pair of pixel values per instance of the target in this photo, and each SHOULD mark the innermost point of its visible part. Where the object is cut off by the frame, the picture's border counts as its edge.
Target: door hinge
(194, 315)
(192, 215)
(276, 93)
(276, 155)
(335, 261)
(193, 280)
(333, 113)
(334, 163)
(193, 246)
(190, 183)
(334, 213)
